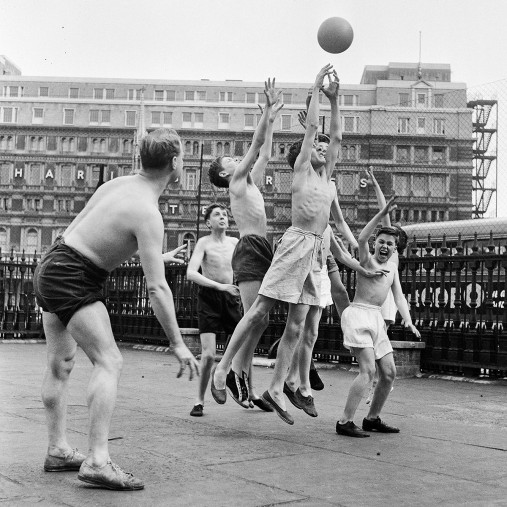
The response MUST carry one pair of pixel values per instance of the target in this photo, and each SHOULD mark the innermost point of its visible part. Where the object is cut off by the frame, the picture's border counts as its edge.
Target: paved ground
(452, 449)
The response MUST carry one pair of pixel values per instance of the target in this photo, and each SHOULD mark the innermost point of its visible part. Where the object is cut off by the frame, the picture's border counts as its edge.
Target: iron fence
(457, 300)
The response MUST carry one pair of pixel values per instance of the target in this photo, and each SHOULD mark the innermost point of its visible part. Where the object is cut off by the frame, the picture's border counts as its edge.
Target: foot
(315, 381)
(306, 403)
(377, 425)
(260, 403)
(291, 395)
(197, 410)
(66, 463)
(282, 414)
(219, 395)
(349, 429)
(109, 476)
(237, 388)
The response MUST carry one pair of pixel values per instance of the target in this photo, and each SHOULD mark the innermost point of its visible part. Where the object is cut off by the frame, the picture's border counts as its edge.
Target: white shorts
(389, 308)
(363, 326)
(325, 288)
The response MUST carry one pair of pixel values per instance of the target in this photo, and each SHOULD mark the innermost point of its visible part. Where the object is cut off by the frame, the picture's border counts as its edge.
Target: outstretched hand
(325, 71)
(302, 118)
(331, 90)
(372, 273)
(371, 177)
(273, 112)
(414, 330)
(390, 206)
(186, 358)
(272, 94)
(172, 255)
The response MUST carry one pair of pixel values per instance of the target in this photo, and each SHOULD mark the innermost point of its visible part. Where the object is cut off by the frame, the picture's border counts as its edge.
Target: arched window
(3, 240)
(196, 148)
(227, 149)
(189, 240)
(282, 150)
(188, 148)
(65, 144)
(32, 240)
(102, 146)
(35, 174)
(220, 150)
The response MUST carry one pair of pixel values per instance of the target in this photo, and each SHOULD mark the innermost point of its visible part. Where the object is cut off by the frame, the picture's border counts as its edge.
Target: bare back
(311, 200)
(108, 228)
(247, 206)
(217, 255)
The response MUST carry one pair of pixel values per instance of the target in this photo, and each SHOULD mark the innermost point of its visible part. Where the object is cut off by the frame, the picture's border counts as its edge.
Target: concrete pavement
(452, 449)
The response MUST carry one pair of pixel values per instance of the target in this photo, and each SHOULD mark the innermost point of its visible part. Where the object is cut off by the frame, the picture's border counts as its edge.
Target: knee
(61, 368)
(389, 374)
(112, 361)
(369, 372)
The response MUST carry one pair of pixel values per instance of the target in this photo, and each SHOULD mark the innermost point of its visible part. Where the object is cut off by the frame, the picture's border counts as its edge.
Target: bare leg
(208, 351)
(61, 350)
(305, 347)
(91, 328)
(290, 337)
(366, 359)
(387, 374)
(249, 329)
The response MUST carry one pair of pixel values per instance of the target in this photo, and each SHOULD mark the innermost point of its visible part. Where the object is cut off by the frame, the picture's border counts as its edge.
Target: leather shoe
(349, 429)
(315, 381)
(292, 396)
(282, 414)
(219, 395)
(306, 403)
(377, 425)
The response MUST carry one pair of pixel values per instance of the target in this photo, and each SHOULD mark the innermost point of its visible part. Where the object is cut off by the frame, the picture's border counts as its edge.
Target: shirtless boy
(294, 274)
(121, 217)
(219, 306)
(364, 331)
(253, 253)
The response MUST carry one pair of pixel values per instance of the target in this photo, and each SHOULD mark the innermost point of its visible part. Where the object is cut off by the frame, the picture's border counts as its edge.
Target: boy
(218, 305)
(364, 331)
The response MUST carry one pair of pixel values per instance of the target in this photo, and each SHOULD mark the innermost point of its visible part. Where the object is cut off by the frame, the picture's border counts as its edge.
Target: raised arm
(312, 120)
(259, 137)
(261, 163)
(340, 223)
(381, 200)
(369, 228)
(335, 129)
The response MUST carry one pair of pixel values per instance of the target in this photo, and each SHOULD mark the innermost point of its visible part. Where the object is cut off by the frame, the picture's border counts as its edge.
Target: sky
(253, 40)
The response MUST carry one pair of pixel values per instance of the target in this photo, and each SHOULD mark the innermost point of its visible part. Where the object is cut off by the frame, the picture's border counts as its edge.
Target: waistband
(257, 236)
(365, 306)
(99, 271)
(302, 232)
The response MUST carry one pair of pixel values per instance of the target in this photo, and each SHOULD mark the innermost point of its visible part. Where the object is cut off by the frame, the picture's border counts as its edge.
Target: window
(350, 123)
(37, 115)
(349, 152)
(109, 93)
(438, 154)
(223, 120)
(43, 91)
(13, 91)
(94, 116)
(439, 100)
(73, 93)
(3, 240)
(198, 120)
(5, 173)
(403, 154)
(421, 100)
(35, 175)
(283, 181)
(168, 118)
(420, 185)
(227, 149)
(132, 94)
(438, 186)
(403, 99)
(130, 118)
(68, 116)
(439, 126)
(155, 117)
(225, 96)
(250, 97)
(347, 183)
(159, 95)
(349, 100)
(189, 240)
(187, 120)
(421, 125)
(98, 93)
(403, 125)
(287, 98)
(127, 146)
(401, 184)
(191, 179)
(189, 95)
(170, 95)
(32, 240)
(286, 122)
(8, 114)
(249, 121)
(201, 96)
(105, 116)
(420, 154)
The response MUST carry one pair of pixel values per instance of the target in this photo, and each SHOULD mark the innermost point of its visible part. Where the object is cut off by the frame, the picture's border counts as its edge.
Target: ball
(335, 35)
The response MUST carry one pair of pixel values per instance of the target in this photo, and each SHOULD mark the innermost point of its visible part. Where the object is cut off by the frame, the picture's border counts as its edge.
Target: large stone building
(60, 136)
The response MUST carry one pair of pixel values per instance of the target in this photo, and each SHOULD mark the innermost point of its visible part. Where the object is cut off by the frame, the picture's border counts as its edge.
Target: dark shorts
(218, 311)
(251, 258)
(65, 280)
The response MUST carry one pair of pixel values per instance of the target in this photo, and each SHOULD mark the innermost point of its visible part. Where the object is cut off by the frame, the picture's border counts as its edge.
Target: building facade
(61, 137)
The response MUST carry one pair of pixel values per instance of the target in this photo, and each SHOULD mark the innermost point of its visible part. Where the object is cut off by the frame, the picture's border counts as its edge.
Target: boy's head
(402, 238)
(318, 157)
(386, 241)
(216, 216)
(160, 149)
(221, 170)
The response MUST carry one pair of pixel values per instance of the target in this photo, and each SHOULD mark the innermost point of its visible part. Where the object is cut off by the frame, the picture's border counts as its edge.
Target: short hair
(211, 207)
(158, 148)
(294, 151)
(323, 138)
(402, 238)
(391, 231)
(214, 174)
